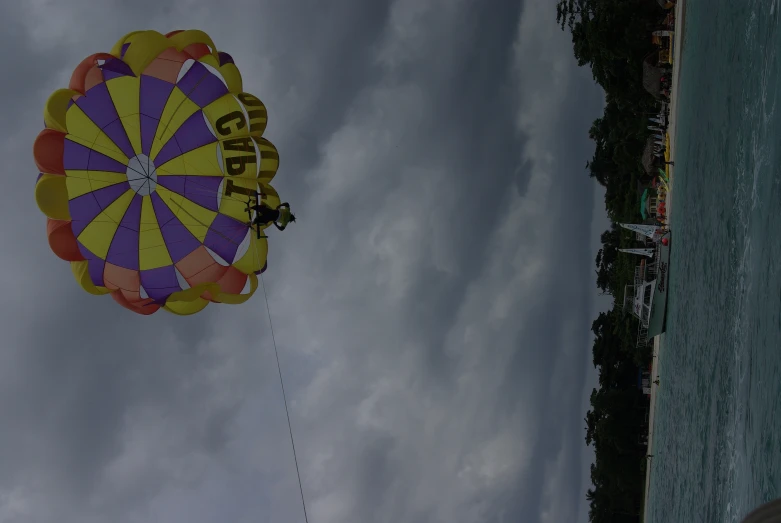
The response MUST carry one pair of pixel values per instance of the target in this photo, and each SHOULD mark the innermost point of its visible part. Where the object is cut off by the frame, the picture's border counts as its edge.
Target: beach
(680, 15)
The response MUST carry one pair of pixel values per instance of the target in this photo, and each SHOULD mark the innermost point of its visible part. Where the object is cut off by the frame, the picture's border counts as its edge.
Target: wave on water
(716, 437)
(753, 165)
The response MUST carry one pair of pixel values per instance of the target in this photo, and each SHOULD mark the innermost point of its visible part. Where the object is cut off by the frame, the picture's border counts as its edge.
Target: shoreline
(679, 41)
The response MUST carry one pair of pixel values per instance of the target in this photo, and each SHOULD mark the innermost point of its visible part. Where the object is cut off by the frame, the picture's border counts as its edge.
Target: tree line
(613, 37)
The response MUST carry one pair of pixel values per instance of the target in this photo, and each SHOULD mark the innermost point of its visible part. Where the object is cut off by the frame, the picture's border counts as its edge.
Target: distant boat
(646, 297)
(641, 252)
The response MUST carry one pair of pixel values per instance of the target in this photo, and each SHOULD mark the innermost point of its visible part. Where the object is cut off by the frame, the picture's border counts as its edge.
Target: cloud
(429, 305)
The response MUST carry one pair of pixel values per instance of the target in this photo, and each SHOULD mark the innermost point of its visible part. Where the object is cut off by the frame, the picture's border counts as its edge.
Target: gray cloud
(431, 305)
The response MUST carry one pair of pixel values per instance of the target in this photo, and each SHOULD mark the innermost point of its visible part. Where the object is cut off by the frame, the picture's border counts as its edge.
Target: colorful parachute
(147, 163)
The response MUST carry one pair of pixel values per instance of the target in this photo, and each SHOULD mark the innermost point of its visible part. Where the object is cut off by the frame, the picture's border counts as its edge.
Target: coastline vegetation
(613, 37)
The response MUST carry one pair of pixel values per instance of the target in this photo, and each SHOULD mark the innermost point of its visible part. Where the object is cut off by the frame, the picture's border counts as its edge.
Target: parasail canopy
(147, 163)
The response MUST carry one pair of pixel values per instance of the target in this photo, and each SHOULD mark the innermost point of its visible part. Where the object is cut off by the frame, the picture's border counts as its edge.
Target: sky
(431, 305)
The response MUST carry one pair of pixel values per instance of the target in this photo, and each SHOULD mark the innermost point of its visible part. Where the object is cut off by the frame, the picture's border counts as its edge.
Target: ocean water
(717, 441)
